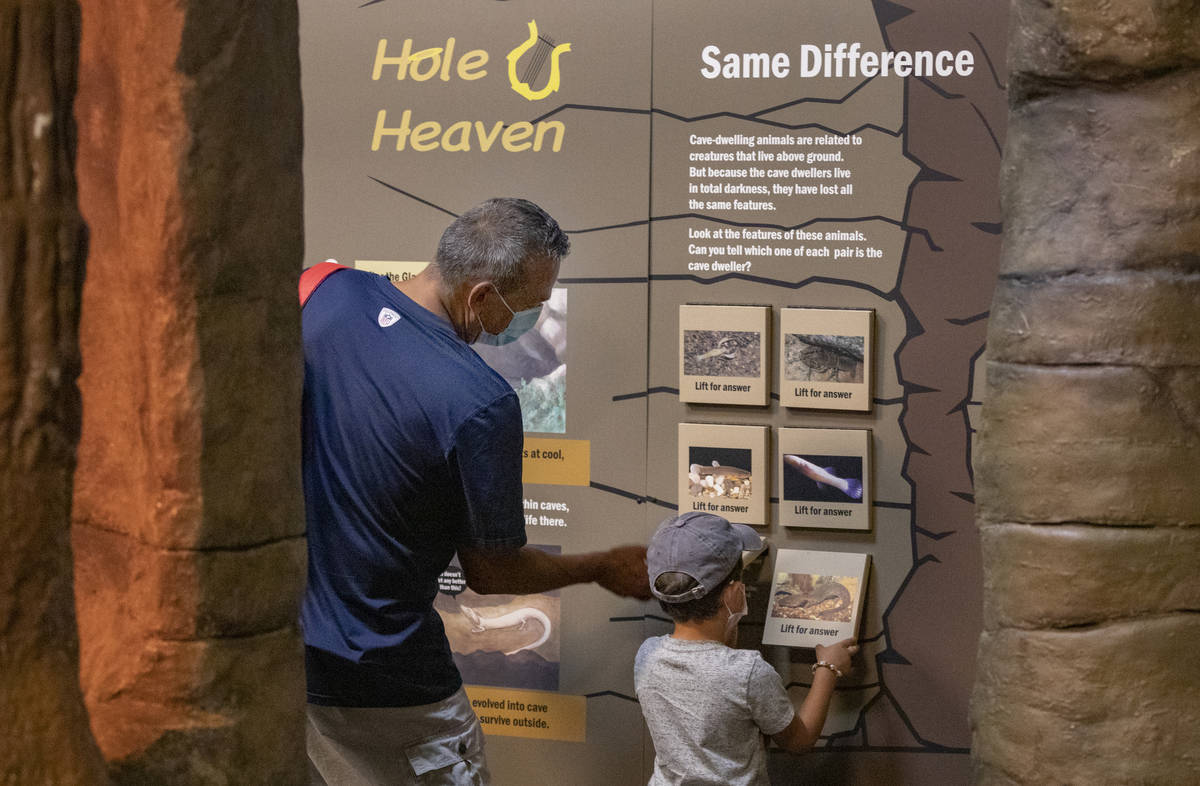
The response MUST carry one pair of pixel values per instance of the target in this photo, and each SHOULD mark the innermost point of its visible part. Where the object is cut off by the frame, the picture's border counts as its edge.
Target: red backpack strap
(313, 277)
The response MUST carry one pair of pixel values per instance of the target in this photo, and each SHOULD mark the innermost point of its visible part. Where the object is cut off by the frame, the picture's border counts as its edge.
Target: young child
(708, 705)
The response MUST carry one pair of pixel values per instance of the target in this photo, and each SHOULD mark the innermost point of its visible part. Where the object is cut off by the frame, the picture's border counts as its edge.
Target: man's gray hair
(494, 241)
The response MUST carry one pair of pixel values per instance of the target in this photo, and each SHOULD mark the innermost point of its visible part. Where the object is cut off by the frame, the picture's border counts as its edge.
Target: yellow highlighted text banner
(394, 269)
(559, 462)
(529, 713)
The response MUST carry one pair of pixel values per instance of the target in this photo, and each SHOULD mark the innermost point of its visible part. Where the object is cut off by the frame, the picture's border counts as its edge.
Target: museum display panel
(825, 478)
(770, 197)
(816, 597)
(825, 358)
(724, 354)
(723, 470)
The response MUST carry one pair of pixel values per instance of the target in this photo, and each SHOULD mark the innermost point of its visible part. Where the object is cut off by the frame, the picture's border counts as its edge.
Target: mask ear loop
(502, 300)
(476, 315)
(744, 598)
(735, 616)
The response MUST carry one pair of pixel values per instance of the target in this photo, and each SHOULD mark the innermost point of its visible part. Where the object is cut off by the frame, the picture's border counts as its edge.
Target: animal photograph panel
(826, 478)
(724, 469)
(825, 358)
(816, 597)
(724, 354)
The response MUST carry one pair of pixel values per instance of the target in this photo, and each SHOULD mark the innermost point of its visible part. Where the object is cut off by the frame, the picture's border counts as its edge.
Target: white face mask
(520, 323)
(735, 616)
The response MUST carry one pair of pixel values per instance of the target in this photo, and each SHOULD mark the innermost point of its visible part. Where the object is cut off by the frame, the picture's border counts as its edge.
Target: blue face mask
(520, 324)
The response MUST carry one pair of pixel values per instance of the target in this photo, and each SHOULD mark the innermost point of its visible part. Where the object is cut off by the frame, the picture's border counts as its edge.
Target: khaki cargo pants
(438, 744)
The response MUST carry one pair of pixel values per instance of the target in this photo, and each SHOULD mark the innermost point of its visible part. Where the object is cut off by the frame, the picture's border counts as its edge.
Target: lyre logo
(542, 44)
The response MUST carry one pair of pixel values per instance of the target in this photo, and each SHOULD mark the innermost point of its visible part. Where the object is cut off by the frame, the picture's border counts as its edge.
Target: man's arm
(487, 457)
(527, 570)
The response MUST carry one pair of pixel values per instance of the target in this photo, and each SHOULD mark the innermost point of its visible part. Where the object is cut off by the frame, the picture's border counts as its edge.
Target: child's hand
(805, 728)
(838, 654)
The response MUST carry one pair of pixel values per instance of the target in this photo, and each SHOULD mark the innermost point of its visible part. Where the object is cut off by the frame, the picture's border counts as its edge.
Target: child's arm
(805, 728)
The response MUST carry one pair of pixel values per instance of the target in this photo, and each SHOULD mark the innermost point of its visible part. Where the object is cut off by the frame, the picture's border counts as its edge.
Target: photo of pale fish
(719, 481)
(824, 477)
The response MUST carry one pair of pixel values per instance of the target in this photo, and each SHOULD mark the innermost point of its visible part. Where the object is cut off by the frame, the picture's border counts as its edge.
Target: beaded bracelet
(827, 665)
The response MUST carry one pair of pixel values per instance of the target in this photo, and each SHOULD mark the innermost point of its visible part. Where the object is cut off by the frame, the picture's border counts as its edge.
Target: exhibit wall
(827, 168)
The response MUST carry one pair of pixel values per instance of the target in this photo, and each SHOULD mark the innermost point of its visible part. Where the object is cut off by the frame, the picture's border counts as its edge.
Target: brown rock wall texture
(188, 526)
(954, 129)
(1086, 468)
(42, 249)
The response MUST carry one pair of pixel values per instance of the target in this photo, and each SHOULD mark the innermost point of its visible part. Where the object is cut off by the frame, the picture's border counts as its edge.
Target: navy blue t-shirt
(412, 448)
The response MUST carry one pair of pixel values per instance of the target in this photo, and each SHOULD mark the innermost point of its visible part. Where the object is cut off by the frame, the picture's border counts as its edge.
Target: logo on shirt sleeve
(387, 317)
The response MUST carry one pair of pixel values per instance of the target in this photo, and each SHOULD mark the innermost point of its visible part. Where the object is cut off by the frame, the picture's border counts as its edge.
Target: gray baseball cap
(700, 545)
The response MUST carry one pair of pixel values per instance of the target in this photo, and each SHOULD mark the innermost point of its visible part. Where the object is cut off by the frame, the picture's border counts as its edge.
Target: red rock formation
(188, 520)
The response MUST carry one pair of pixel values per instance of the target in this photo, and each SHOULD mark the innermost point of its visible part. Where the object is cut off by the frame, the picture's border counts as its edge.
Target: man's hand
(622, 571)
(838, 654)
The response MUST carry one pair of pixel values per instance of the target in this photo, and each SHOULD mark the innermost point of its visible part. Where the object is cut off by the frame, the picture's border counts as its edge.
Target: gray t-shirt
(707, 707)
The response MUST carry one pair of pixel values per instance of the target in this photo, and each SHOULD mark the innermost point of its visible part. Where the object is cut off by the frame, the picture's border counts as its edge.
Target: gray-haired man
(412, 452)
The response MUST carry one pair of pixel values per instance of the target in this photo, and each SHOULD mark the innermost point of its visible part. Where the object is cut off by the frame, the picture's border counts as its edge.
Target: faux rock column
(188, 523)
(1087, 469)
(43, 244)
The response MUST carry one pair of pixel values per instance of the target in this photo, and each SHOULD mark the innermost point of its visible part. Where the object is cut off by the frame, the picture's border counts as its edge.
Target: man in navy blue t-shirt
(412, 452)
